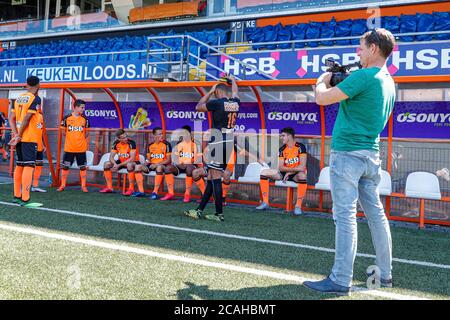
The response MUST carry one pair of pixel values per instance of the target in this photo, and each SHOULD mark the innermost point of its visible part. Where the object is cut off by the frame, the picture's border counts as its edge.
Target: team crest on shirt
(40, 126)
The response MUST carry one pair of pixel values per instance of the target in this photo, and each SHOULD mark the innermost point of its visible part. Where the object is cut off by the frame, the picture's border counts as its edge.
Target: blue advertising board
(413, 59)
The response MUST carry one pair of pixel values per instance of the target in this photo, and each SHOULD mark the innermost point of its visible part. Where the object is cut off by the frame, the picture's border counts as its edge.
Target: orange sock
(65, 173)
(225, 188)
(158, 181)
(301, 191)
(131, 179)
(201, 185)
(18, 171)
(170, 180)
(83, 178)
(265, 189)
(189, 181)
(140, 181)
(4, 154)
(36, 175)
(27, 179)
(108, 178)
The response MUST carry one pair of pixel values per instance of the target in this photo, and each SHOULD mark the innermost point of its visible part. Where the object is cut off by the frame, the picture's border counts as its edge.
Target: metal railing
(185, 55)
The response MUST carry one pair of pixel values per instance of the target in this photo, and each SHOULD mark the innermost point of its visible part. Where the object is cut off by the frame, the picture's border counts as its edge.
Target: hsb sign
(406, 60)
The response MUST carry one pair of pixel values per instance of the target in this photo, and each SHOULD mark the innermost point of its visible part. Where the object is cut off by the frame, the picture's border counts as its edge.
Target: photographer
(366, 102)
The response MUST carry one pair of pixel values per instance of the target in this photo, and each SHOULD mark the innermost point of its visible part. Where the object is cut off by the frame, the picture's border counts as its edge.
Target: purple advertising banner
(136, 115)
(425, 119)
(304, 117)
(248, 117)
(178, 114)
(102, 114)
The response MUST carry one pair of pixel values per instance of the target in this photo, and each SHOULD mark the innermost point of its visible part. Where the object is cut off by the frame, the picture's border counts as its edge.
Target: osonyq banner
(424, 120)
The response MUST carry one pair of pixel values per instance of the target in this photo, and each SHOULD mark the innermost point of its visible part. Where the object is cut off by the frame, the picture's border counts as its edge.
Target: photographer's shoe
(327, 286)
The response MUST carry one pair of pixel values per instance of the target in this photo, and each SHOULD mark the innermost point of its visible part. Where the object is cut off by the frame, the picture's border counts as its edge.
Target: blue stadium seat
(343, 29)
(299, 33)
(328, 30)
(425, 22)
(391, 23)
(408, 24)
(285, 34)
(441, 23)
(359, 27)
(313, 32)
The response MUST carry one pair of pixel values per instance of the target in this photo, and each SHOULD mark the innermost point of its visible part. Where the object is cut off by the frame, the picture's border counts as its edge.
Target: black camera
(225, 79)
(339, 73)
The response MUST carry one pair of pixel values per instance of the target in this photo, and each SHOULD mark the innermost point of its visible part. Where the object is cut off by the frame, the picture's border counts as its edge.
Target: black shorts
(118, 162)
(180, 170)
(149, 164)
(39, 157)
(220, 152)
(69, 157)
(291, 177)
(26, 154)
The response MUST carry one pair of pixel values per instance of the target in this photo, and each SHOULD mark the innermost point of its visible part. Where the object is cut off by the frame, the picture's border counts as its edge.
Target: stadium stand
(438, 21)
(100, 45)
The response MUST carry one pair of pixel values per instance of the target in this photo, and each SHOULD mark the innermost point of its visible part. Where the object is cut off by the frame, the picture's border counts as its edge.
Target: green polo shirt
(362, 117)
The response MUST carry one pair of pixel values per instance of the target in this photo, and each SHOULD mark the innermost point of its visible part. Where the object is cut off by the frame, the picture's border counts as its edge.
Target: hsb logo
(124, 155)
(186, 155)
(75, 129)
(292, 161)
(157, 156)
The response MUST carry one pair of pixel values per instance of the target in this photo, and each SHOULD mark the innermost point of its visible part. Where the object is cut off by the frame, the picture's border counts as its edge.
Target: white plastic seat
(385, 186)
(324, 180)
(422, 185)
(287, 184)
(181, 176)
(252, 173)
(150, 174)
(89, 160)
(99, 166)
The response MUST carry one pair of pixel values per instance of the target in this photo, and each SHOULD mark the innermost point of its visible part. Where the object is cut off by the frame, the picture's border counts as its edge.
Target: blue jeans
(356, 175)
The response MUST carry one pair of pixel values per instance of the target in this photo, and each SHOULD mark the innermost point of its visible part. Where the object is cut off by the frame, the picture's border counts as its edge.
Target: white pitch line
(184, 259)
(228, 235)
